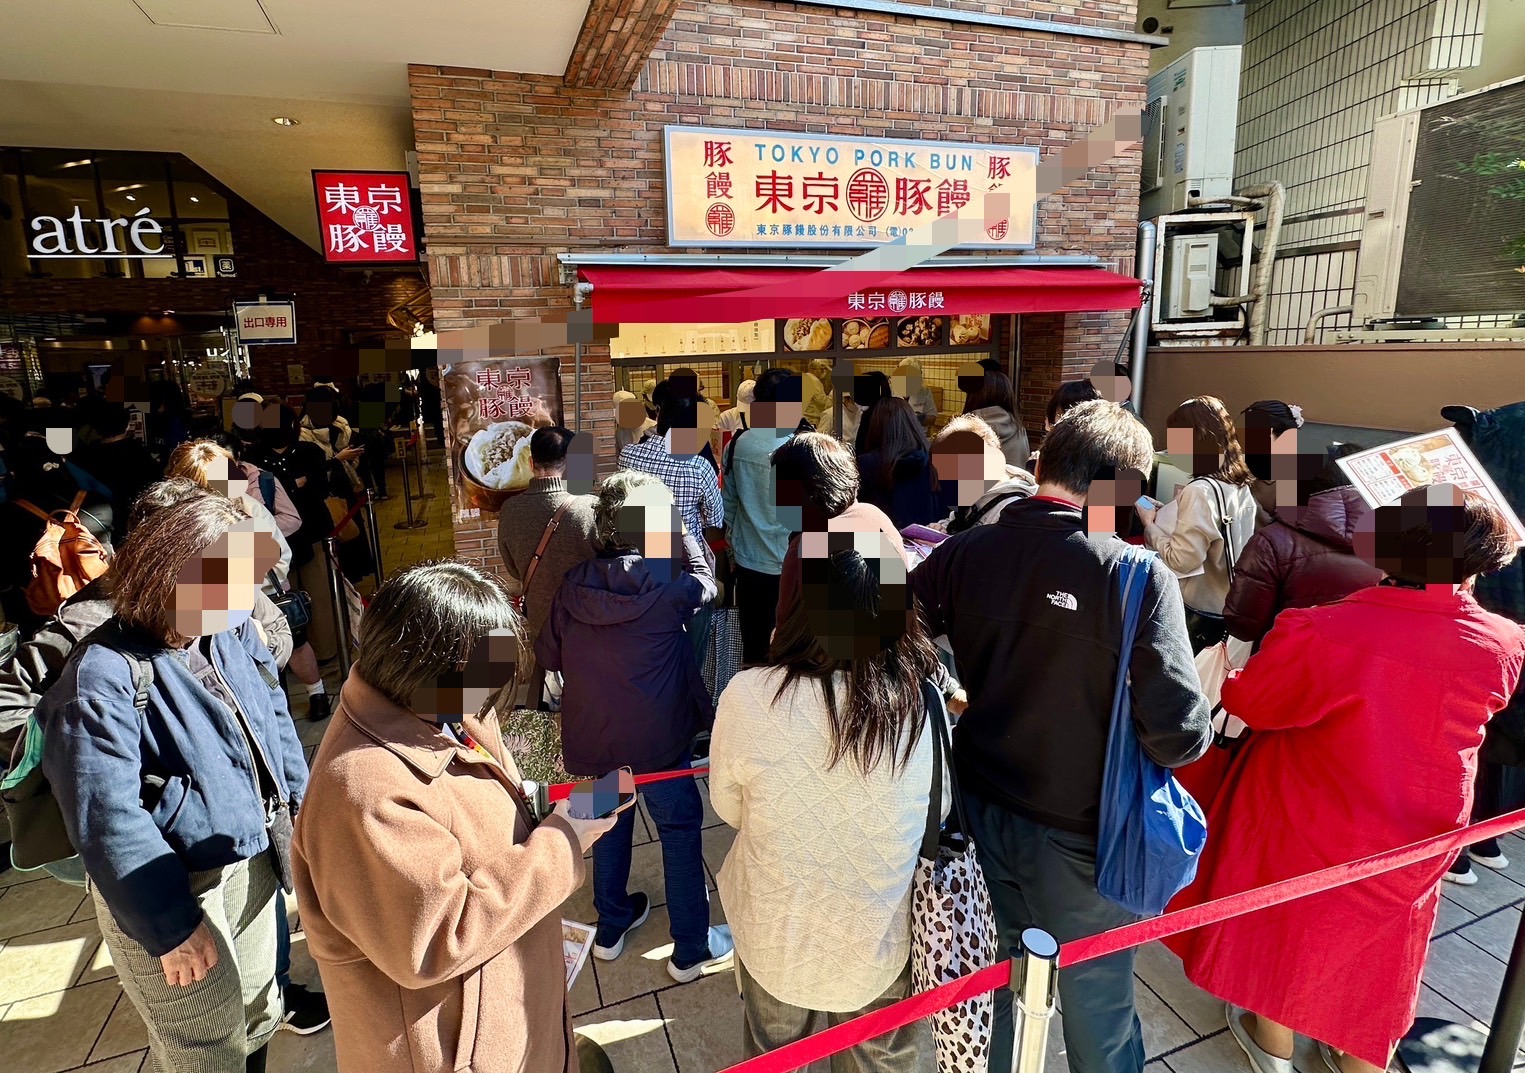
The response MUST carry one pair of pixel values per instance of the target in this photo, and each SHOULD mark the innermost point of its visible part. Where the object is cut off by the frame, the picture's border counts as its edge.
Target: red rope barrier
(562, 790)
(353, 511)
(824, 1044)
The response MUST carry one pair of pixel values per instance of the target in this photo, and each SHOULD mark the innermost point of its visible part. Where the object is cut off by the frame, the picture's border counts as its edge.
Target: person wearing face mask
(176, 767)
(634, 697)
(430, 892)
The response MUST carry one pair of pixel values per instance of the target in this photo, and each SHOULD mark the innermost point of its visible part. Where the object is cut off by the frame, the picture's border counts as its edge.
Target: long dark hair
(845, 620)
(994, 389)
(894, 432)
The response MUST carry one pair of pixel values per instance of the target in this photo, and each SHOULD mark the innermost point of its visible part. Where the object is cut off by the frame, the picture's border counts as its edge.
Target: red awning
(719, 295)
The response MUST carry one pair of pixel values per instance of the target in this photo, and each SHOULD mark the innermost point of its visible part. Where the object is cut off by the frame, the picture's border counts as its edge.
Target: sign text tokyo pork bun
(492, 409)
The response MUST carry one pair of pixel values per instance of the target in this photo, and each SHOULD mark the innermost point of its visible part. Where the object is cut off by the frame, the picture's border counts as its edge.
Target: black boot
(317, 707)
(255, 1063)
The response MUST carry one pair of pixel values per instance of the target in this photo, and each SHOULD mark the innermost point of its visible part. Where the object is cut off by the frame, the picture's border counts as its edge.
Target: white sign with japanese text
(266, 322)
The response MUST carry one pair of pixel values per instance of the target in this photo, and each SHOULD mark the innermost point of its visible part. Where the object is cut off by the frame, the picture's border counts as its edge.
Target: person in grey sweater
(545, 511)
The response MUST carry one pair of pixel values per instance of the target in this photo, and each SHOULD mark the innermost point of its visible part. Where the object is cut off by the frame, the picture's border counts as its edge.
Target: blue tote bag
(1152, 831)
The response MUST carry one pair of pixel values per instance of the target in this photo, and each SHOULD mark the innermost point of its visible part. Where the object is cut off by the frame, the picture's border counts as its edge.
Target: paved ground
(61, 1008)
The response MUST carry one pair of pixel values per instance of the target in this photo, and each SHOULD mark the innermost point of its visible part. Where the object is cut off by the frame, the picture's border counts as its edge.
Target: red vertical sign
(366, 217)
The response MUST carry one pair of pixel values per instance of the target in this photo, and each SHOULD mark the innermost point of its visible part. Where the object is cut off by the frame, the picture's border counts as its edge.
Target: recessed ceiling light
(195, 200)
(74, 164)
(132, 186)
(131, 198)
(284, 121)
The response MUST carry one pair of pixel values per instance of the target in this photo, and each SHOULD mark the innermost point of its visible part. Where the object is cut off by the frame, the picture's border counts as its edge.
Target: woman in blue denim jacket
(176, 767)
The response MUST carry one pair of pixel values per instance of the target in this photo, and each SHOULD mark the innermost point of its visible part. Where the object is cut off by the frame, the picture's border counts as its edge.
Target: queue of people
(431, 890)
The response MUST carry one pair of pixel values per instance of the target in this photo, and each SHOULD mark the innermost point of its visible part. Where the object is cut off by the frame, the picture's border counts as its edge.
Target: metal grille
(1464, 246)
(1154, 145)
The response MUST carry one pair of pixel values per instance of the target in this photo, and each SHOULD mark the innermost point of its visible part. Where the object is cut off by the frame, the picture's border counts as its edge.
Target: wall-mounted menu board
(680, 340)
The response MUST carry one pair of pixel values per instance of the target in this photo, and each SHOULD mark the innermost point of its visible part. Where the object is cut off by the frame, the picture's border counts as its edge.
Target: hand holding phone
(602, 797)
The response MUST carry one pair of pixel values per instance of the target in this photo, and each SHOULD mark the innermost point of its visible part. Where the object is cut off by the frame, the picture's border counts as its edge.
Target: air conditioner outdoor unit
(1444, 230)
(1190, 124)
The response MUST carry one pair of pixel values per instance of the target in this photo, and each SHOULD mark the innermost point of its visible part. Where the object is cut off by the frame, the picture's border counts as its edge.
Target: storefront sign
(492, 408)
(209, 382)
(676, 340)
(266, 322)
(73, 237)
(366, 217)
(758, 188)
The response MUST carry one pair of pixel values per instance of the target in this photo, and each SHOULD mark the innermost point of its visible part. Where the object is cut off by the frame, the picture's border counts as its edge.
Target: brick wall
(330, 301)
(517, 168)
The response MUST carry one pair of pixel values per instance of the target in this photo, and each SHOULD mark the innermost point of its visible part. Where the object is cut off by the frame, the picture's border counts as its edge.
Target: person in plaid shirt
(671, 454)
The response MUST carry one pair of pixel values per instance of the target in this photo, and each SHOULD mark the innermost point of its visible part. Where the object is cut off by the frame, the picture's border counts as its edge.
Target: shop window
(189, 217)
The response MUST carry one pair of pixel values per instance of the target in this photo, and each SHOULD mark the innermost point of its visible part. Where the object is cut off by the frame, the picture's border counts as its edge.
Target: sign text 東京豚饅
(761, 188)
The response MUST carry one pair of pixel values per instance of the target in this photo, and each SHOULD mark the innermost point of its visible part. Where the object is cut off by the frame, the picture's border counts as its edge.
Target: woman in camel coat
(429, 892)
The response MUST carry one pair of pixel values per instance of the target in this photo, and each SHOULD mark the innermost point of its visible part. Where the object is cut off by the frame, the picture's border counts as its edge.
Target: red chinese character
(490, 378)
(517, 380)
(717, 154)
(519, 405)
(493, 409)
(868, 195)
(720, 219)
(717, 184)
(773, 188)
(912, 196)
(820, 193)
(1000, 167)
(952, 194)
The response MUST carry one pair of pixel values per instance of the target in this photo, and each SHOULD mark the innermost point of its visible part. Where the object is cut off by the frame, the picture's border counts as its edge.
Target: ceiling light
(131, 198)
(74, 164)
(133, 186)
(195, 200)
(284, 121)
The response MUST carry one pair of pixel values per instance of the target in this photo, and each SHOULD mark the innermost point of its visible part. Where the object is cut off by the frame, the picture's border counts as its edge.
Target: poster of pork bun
(492, 408)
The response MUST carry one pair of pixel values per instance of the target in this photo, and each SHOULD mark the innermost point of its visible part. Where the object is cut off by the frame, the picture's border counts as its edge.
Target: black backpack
(38, 834)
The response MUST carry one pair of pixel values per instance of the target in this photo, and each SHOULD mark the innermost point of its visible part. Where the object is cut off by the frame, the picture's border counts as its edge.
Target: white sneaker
(1461, 879)
(1498, 862)
(722, 951)
(616, 948)
(1260, 1060)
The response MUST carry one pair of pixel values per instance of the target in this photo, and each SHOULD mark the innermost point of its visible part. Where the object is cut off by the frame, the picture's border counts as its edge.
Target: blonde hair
(969, 423)
(192, 461)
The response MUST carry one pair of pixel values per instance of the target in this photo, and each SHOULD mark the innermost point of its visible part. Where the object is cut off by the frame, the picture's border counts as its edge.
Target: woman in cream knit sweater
(1215, 514)
(823, 764)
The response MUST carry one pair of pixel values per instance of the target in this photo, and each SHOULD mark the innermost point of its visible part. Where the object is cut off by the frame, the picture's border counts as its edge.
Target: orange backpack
(65, 560)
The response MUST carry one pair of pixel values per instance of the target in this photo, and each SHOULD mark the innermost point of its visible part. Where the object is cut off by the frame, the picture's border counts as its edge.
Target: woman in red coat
(1367, 717)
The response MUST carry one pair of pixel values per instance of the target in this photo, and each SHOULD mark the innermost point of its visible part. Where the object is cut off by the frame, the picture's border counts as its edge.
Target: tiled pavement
(61, 1008)
(404, 547)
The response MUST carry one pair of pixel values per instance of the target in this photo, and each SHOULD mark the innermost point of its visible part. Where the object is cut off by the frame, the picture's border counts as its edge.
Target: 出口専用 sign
(266, 322)
(75, 237)
(758, 188)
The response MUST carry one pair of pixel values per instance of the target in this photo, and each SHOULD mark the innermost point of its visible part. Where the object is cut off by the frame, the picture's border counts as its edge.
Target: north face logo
(1064, 600)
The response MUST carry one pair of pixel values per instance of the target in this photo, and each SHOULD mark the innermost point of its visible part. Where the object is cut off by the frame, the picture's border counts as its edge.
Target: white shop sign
(266, 322)
(74, 237)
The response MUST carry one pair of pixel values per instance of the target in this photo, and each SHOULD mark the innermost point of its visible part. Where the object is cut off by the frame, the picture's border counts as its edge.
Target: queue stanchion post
(1435, 1045)
(422, 459)
(1035, 981)
(407, 496)
(373, 534)
(341, 605)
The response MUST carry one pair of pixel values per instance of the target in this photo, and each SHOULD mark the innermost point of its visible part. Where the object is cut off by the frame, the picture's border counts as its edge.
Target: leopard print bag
(953, 930)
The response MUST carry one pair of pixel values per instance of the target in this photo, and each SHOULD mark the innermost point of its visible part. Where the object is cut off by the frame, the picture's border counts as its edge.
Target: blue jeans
(678, 813)
(1046, 878)
(282, 941)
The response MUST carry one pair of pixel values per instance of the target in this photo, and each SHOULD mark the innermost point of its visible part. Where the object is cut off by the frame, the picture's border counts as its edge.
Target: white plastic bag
(1213, 665)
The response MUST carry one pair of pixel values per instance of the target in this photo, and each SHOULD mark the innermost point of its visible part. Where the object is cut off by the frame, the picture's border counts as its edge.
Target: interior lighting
(284, 121)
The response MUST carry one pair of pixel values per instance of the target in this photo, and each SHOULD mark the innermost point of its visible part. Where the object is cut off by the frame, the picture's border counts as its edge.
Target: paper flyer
(1384, 473)
(576, 943)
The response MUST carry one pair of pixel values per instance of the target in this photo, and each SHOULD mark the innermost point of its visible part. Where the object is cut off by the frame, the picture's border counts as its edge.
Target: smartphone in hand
(604, 796)
(1145, 503)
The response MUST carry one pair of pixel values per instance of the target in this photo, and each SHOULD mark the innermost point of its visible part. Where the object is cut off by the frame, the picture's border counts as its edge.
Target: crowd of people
(431, 891)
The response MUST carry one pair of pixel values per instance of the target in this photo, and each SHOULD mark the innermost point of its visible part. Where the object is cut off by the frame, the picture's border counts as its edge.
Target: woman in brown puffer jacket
(1303, 558)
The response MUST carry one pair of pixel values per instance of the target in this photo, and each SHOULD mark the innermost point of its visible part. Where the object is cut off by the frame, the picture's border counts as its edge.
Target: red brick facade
(517, 168)
(330, 302)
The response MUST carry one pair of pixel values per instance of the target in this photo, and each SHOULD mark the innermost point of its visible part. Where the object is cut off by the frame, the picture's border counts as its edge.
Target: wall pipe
(580, 294)
(1144, 257)
(1310, 333)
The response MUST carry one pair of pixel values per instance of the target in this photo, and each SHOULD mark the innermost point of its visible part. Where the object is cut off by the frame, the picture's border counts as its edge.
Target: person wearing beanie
(1264, 423)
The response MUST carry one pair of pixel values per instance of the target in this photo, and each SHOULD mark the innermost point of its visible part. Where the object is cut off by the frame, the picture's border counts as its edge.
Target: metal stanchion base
(417, 523)
(1436, 1046)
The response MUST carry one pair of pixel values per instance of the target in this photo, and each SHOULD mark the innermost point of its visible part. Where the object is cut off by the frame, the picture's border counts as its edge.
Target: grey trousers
(771, 1024)
(211, 1026)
